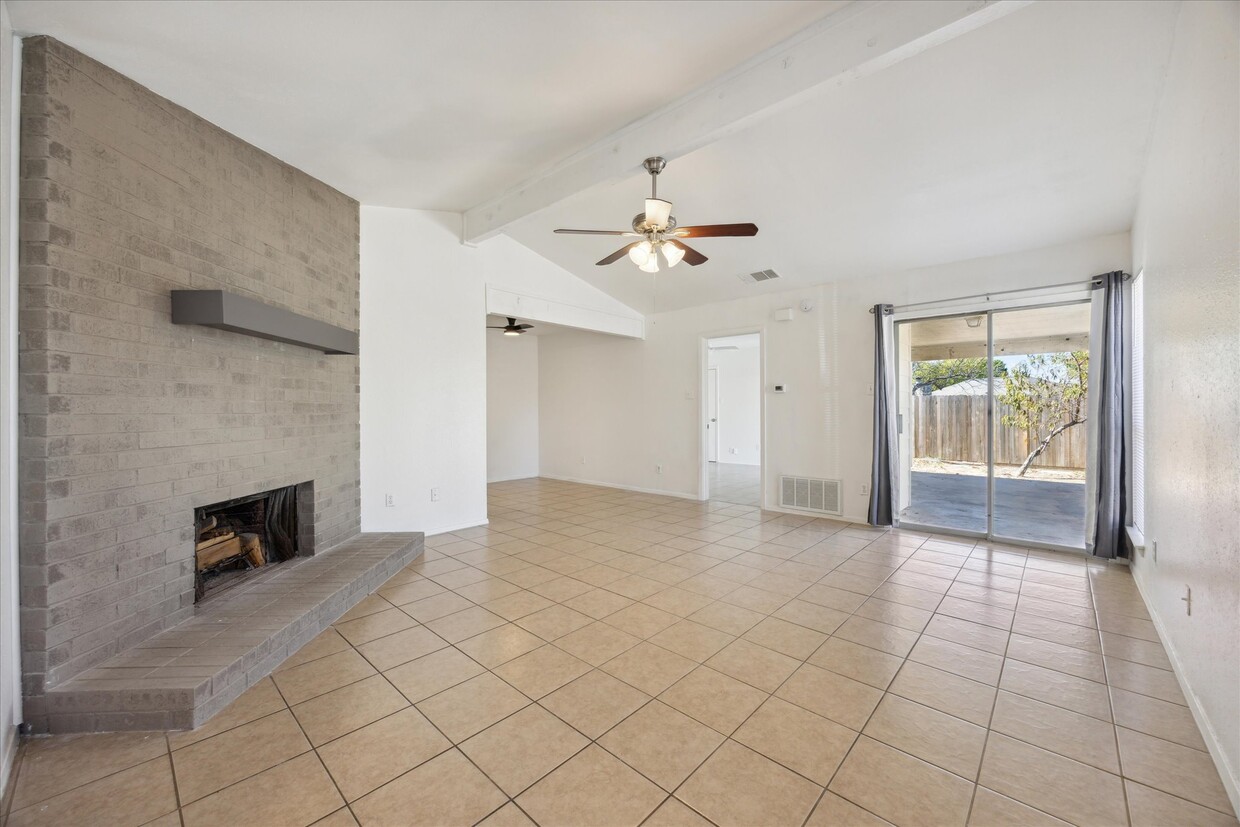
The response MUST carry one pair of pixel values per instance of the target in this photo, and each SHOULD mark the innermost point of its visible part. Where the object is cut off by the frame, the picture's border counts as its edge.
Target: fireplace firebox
(239, 538)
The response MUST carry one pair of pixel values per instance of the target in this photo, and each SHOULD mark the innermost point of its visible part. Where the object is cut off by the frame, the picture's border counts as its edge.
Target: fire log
(207, 525)
(214, 541)
(252, 545)
(218, 552)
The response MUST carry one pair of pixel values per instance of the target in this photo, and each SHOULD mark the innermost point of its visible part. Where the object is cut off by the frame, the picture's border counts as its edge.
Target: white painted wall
(1185, 237)
(523, 284)
(10, 651)
(612, 409)
(740, 405)
(512, 406)
(423, 373)
(424, 361)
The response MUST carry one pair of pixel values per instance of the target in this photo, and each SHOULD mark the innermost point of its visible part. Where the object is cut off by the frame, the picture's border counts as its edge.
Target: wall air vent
(760, 276)
(806, 494)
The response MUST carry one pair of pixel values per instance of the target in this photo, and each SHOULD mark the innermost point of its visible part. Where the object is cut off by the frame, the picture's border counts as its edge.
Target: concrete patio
(1044, 512)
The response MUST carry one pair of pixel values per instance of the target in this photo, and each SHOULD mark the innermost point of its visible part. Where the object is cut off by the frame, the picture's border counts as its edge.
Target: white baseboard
(683, 496)
(434, 532)
(1227, 773)
(844, 518)
(510, 479)
(8, 762)
(678, 494)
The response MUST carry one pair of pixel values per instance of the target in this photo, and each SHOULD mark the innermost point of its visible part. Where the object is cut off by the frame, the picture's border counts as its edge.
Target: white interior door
(712, 415)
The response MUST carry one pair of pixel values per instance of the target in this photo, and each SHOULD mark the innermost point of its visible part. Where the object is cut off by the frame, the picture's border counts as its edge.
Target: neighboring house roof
(971, 387)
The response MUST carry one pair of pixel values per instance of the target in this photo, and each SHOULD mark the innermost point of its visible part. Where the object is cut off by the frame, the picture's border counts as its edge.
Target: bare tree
(1047, 392)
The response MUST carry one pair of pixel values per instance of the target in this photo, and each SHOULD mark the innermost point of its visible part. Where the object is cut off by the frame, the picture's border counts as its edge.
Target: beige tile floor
(596, 657)
(734, 483)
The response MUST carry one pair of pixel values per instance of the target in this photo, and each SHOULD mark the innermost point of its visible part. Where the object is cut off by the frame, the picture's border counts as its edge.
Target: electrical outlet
(865, 488)
(389, 501)
(434, 495)
(658, 469)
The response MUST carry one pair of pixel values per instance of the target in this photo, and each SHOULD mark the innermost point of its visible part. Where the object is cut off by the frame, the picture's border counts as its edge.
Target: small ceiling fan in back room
(512, 328)
(658, 232)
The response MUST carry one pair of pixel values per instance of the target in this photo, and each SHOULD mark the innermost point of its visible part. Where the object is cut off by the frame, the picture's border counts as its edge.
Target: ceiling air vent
(761, 275)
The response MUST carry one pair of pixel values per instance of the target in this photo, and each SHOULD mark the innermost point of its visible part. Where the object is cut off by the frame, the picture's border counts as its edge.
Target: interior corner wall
(10, 646)
(423, 380)
(512, 406)
(424, 362)
(1185, 240)
(612, 410)
(740, 405)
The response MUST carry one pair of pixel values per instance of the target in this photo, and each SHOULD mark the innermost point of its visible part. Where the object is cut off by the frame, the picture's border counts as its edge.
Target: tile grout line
(176, 786)
(1106, 673)
(993, 706)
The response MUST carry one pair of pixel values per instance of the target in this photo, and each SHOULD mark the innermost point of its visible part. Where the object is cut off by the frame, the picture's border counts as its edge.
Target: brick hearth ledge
(181, 677)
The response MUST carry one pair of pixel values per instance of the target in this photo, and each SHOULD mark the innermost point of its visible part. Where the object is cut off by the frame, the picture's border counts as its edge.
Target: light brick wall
(127, 421)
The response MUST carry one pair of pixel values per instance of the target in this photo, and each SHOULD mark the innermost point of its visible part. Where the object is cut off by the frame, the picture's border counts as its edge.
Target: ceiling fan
(512, 328)
(658, 232)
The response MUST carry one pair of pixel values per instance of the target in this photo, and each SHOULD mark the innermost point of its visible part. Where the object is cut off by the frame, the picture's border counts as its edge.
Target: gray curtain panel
(882, 471)
(1110, 507)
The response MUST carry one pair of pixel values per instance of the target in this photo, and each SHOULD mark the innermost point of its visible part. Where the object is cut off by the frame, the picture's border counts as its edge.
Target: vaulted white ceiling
(1030, 131)
(431, 105)
(1027, 131)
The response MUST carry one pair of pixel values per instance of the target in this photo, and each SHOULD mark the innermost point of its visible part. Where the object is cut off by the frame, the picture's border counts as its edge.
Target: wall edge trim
(1227, 773)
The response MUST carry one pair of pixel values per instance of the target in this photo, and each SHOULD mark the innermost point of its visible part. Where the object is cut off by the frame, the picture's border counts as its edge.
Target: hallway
(736, 484)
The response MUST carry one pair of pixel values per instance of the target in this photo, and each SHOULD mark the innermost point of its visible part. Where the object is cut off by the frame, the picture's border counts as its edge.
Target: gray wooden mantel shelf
(228, 311)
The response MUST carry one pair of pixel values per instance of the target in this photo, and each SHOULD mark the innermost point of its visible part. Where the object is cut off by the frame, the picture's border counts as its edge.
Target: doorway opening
(992, 423)
(733, 419)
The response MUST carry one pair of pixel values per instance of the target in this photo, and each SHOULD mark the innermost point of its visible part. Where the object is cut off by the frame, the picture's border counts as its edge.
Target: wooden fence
(953, 428)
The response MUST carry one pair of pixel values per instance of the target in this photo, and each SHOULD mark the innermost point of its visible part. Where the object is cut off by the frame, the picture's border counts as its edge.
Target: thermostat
(781, 389)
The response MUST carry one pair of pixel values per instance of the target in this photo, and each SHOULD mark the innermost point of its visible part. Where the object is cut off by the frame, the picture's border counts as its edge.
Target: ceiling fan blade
(716, 230)
(595, 232)
(692, 256)
(525, 327)
(618, 254)
(493, 327)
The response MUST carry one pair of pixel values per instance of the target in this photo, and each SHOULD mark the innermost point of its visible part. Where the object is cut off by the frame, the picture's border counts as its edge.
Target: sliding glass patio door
(992, 429)
(942, 380)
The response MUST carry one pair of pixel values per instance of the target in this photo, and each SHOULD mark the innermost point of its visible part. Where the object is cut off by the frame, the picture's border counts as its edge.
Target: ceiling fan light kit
(659, 232)
(671, 252)
(658, 212)
(640, 253)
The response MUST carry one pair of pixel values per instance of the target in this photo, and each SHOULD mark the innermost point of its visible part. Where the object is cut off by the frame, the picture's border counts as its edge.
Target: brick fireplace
(245, 537)
(130, 425)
